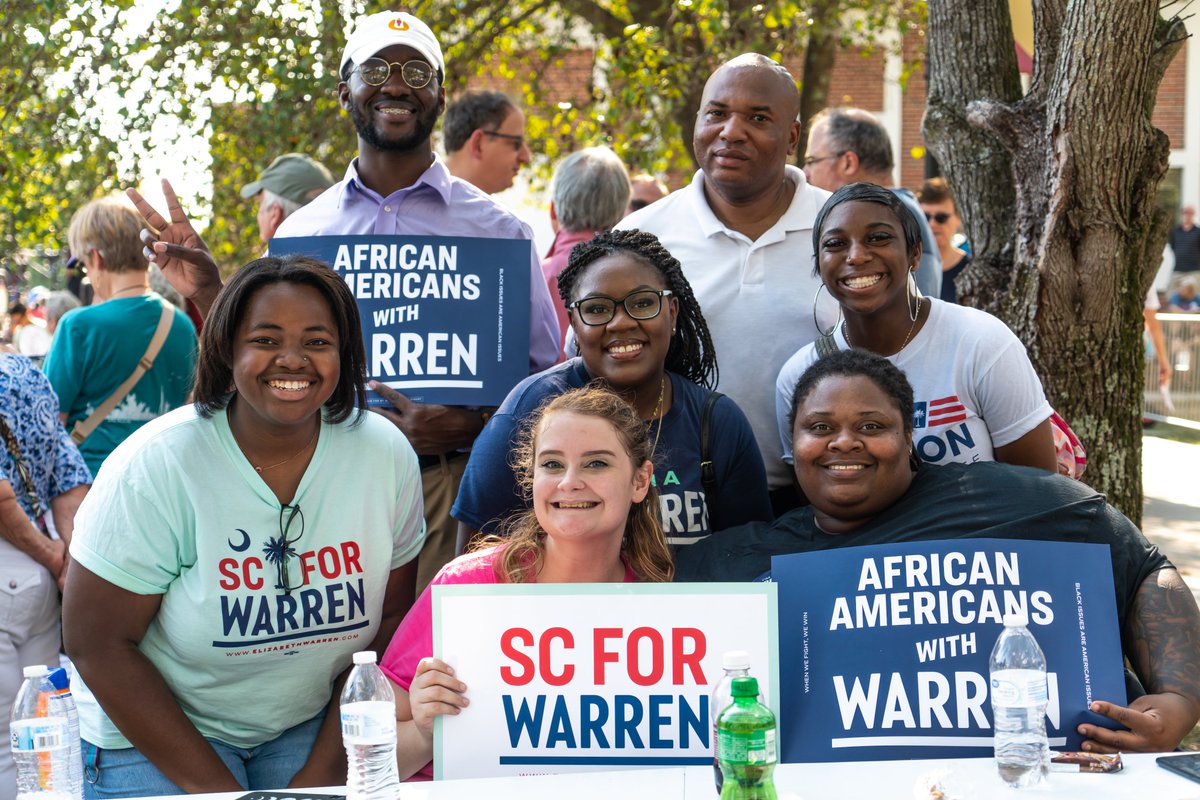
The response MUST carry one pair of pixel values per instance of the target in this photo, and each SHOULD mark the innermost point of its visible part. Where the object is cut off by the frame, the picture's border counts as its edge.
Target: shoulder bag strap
(84, 428)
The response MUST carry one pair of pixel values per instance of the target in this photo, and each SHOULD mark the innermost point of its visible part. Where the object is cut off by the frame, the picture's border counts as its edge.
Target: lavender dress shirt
(438, 204)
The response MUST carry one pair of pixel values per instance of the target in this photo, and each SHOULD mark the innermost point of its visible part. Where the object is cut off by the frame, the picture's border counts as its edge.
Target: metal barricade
(1179, 404)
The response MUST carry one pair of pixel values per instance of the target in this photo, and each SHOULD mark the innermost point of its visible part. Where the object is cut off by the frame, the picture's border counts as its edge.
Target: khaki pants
(439, 483)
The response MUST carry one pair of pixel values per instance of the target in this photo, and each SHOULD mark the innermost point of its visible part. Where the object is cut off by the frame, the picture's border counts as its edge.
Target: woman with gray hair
(57, 304)
(98, 348)
(589, 195)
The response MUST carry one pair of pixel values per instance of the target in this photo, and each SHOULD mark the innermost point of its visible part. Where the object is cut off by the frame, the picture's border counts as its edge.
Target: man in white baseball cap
(378, 31)
(391, 75)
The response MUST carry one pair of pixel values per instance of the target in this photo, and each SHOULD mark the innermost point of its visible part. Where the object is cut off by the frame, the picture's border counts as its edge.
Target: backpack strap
(708, 472)
(825, 345)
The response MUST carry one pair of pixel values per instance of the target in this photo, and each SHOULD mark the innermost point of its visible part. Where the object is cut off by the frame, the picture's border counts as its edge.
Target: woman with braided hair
(639, 331)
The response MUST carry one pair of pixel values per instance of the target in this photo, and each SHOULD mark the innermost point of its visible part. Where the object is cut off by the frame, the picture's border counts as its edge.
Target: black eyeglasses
(376, 71)
(517, 141)
(600, 309)
(279, 551)
(941, 217)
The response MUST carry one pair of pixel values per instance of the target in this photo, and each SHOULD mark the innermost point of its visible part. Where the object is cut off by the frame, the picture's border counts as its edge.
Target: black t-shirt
(946, 502)
(949, 290)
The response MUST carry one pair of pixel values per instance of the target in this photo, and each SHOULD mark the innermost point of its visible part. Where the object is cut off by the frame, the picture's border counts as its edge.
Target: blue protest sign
(434, 319)
(885, 652)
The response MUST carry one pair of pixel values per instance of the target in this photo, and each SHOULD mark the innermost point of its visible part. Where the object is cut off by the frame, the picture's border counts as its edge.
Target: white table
(970, 779)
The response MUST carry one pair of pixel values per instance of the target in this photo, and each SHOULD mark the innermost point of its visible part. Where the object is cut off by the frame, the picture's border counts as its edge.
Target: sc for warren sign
(587, 677)
(884, 650)
(444, 319)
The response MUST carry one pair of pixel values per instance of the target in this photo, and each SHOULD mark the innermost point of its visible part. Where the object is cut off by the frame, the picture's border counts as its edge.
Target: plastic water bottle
(40, 735)
(59, 702)
(736, 664)
(746, 742)
(1019, 695)
(368, 710)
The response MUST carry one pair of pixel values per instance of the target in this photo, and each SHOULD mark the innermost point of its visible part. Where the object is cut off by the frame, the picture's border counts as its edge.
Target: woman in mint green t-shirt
(231, 562)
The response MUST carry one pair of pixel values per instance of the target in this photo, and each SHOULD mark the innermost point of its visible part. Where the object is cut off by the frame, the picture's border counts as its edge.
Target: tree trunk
(1057, 193)
(820, 55)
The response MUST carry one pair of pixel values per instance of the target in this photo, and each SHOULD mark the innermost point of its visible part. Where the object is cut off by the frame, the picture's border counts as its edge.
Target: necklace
(911, 328)
(662, 385)
(138, 288)
(261, 470)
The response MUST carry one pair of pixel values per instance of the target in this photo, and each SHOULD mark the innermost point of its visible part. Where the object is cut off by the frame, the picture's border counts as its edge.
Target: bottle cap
(35, 671)
(59, 679)
(744, 687)
(1016, 619)
(736, 659)
(364, 657)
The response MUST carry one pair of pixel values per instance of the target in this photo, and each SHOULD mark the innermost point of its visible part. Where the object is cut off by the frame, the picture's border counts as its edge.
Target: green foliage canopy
(86, 94)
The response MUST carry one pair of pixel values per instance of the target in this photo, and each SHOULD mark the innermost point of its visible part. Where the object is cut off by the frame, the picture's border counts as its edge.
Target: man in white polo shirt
(743, 231)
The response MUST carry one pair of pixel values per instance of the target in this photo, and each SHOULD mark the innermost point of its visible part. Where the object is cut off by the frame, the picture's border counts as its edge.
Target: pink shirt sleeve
(412, 641)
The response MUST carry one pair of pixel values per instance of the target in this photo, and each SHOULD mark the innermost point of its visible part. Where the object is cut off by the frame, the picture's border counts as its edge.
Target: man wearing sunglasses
(938, 205)
(484, 135)
(850, 145)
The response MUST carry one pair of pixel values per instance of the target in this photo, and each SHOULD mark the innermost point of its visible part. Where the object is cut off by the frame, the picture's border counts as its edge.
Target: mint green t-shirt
(179, 511)
(95, 350)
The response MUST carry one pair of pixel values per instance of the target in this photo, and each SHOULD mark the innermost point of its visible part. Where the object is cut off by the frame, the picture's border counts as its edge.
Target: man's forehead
(401, 53)
(749, 87)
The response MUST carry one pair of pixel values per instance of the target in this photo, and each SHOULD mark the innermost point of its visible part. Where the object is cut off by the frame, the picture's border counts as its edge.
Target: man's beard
(423, 124)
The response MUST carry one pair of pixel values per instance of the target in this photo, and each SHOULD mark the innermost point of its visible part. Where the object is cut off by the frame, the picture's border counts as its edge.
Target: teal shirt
(97, 347)
(179, 512)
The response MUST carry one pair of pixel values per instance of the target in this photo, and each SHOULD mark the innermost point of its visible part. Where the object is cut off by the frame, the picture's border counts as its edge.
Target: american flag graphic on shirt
(945, 411)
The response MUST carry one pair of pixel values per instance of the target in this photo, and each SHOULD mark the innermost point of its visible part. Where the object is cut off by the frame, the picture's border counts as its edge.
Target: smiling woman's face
(863, 258)
(851, 450)
(629, 353)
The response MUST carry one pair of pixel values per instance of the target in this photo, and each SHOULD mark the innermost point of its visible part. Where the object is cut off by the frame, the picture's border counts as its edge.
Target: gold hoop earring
(912, 292)
(816, 322)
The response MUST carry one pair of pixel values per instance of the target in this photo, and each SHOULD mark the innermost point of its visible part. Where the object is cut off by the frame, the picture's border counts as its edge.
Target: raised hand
(178, 250)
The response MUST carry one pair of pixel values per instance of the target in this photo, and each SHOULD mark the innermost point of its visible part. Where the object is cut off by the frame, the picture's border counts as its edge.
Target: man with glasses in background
(391, 85)
(484, 135)
(850, 145)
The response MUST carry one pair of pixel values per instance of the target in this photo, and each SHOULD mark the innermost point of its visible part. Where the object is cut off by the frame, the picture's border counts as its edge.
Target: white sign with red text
(589, 677)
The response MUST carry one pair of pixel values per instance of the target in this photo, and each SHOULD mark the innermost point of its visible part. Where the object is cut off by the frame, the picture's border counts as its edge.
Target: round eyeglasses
(600, 310)
(376, 71)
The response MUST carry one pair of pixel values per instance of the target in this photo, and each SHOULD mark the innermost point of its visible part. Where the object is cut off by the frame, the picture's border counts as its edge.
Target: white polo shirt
(757, 296)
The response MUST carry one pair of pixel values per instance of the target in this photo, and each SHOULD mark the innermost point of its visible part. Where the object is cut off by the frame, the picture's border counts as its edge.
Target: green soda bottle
(746, 744)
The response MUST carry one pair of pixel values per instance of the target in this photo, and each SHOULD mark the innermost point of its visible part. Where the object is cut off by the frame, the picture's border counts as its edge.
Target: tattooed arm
(1163, 633)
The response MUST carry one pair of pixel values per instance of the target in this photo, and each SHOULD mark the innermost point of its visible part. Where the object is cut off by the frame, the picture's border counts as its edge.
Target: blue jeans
(128, 773)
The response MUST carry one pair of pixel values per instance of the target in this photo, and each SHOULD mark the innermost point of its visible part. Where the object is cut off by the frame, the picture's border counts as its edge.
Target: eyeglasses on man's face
(810, 160)
(516, 141)
(376, 71)
(941, 217)
(600, 309)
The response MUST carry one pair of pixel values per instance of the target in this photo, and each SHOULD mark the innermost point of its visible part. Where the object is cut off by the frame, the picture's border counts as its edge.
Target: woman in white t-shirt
(977, 396)
(233, 558)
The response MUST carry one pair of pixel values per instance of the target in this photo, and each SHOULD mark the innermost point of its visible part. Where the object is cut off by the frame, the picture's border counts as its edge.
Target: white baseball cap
(376, 32)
